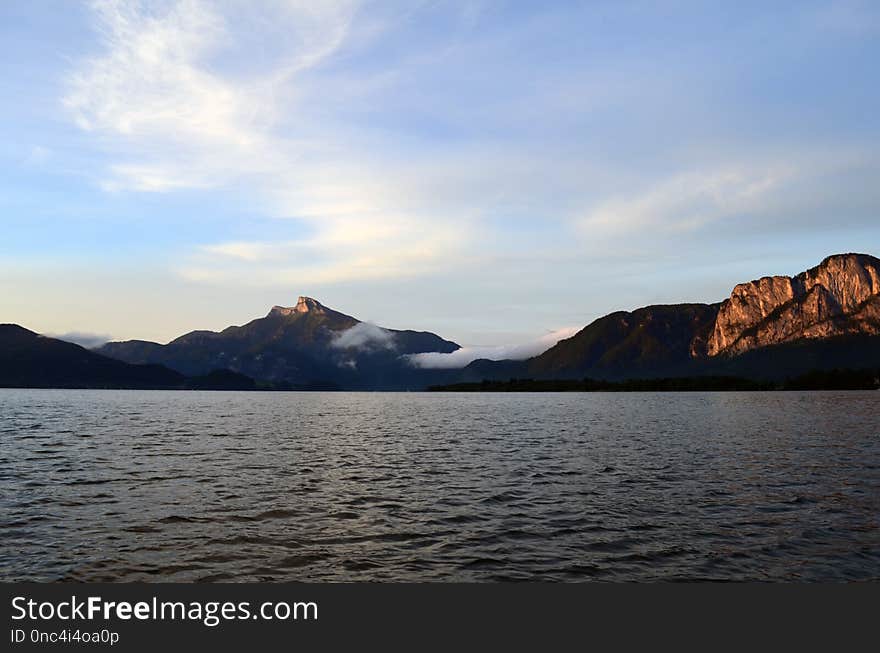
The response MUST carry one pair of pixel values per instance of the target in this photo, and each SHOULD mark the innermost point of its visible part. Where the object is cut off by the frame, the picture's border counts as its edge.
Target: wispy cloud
(344, 248)
(364, 337)
(157, 89)
(151, 89)
(686, 201)
(461, 357)
(87, 340)
(175, 123)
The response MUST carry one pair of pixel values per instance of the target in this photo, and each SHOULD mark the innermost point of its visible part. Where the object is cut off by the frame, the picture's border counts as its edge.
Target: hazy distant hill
(305, 344)
(29, 360)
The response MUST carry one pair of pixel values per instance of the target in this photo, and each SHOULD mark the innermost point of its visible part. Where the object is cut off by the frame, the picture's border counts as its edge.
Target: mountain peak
(850, 256)
(827, 300)
(303, 305)
(308, 305)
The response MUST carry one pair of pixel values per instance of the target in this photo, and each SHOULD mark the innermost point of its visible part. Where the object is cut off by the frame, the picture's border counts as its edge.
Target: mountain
(828, 316)
(29, 360)
(308, 344)
(840, 296)
(655, 340)
(768, 329)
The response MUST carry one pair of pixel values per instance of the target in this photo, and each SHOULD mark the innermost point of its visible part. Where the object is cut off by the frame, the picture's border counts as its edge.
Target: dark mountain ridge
(29, 360)
(307, 344)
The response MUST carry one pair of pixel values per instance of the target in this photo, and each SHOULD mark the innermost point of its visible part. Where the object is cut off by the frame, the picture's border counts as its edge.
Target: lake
(253, 486)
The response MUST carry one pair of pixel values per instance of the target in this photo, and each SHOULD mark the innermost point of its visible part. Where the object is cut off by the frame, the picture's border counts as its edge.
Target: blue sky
(491, 171)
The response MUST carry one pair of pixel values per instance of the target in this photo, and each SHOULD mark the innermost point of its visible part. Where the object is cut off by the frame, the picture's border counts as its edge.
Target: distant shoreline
(867, 379)
(816, 380)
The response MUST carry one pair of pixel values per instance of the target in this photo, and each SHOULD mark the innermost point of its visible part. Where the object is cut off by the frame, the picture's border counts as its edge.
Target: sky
(495, 172)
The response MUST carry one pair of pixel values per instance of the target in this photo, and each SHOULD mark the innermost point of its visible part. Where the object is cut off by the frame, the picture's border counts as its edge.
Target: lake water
(202, 486)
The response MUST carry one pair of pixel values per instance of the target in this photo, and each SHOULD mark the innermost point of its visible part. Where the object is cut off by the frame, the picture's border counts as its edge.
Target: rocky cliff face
(303, 305)
(840, 296)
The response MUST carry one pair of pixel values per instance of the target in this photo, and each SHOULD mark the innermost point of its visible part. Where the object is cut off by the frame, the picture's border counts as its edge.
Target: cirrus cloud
(173, 121)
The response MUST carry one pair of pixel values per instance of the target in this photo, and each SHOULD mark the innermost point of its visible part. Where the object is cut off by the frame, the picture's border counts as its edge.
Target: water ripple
(200, 486)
